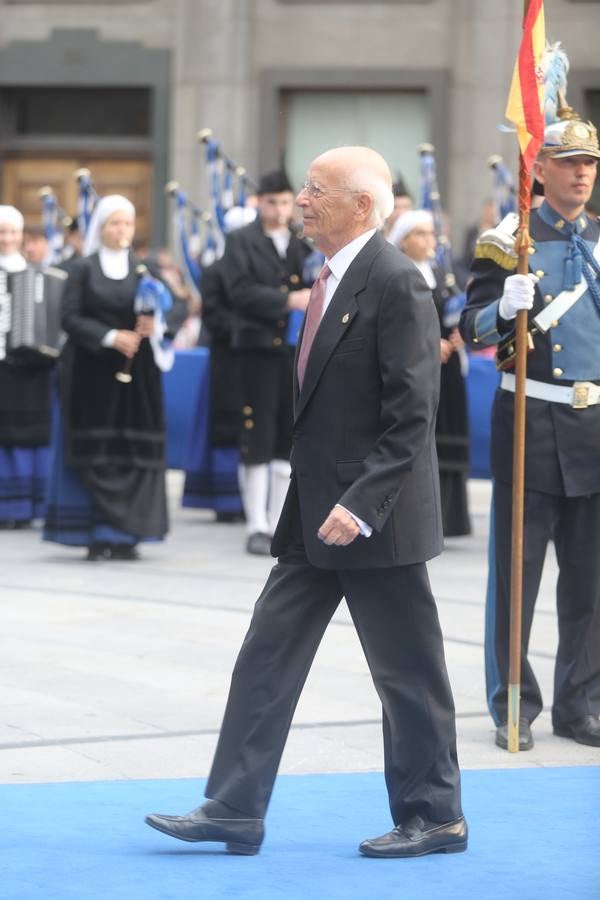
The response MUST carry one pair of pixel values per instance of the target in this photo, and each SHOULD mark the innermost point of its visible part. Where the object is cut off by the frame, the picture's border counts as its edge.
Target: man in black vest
(262, 267)
(361, 517)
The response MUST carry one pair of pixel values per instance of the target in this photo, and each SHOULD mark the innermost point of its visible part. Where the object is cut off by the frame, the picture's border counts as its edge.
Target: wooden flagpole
(518, 485)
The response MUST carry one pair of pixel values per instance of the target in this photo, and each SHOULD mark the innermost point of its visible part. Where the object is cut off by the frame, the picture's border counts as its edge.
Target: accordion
(30, 312)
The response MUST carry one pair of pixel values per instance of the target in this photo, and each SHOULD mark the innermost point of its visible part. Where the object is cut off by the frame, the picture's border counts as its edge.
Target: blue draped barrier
(185, 386)
(482, 382)
(187, 401)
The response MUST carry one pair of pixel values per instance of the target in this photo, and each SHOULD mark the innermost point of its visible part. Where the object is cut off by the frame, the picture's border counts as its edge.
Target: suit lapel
(334, 324)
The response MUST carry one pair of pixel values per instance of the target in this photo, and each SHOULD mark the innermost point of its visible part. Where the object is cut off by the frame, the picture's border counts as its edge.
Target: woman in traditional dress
(413, 232)
(25, 404)
(107, 487)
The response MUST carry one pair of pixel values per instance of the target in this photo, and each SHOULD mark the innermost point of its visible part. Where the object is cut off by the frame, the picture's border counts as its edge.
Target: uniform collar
(560, 224)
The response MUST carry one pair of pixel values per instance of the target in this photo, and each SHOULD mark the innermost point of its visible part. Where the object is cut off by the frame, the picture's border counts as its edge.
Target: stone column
(211, 86)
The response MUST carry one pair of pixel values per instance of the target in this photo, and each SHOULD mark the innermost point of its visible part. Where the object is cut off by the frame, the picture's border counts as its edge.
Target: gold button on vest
(557, 372)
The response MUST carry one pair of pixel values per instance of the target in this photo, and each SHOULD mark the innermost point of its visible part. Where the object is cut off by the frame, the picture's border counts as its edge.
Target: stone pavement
(120, 670)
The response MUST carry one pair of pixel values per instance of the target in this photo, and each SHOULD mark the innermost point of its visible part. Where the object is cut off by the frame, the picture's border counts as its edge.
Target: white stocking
(254, 488)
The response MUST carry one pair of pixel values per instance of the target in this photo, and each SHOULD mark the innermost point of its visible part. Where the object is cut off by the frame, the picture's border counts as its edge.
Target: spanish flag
(526, 99)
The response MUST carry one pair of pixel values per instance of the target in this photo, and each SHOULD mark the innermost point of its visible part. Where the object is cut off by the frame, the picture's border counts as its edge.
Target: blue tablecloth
(186, 387)
(482, 382)
(187, 392)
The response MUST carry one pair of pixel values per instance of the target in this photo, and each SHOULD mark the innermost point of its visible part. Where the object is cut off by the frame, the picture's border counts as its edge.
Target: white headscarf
(12, 262)
(407, 222)
(238, 216)
(11, 216)
(102, 211)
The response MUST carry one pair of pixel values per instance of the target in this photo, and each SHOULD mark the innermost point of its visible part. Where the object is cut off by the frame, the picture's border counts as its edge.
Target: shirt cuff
(365, 529)
(109, 338)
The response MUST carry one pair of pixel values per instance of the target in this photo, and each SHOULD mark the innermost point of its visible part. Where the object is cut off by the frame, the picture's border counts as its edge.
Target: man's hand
(445, 350)
(298, 299)
(339, 528)
(518, 294)
(127, 343)
(455, 340)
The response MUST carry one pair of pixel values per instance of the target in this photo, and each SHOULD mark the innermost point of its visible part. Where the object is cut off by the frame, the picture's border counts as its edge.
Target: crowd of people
(338, 419)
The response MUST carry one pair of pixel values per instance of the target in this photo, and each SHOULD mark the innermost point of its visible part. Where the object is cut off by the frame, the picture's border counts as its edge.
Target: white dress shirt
(338, 265)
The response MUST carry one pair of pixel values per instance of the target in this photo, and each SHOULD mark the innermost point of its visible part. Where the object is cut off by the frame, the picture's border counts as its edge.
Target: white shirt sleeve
(109, 338)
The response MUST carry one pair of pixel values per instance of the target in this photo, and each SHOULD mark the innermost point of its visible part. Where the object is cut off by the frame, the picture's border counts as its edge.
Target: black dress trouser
(396, 619)
(573, 523)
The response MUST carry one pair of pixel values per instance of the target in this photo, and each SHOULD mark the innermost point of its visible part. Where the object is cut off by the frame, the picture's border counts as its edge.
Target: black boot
(98, 550)
(124, 551)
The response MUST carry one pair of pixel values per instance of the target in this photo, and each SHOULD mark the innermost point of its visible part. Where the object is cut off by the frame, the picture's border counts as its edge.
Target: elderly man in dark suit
(361, 517)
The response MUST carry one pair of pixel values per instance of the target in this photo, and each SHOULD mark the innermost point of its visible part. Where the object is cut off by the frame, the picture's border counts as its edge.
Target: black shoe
(242, 836)
(525, 735)
(585, 730)
(98, 551)
(417, 837)
(124, 551)
(259, 544)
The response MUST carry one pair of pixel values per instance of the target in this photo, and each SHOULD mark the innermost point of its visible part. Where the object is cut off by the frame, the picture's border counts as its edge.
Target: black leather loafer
(242, 836)
(525, 735)
(417, 837)
(585, 730)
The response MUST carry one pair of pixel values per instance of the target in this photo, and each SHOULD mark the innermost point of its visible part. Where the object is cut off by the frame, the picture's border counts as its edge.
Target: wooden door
(24, 177)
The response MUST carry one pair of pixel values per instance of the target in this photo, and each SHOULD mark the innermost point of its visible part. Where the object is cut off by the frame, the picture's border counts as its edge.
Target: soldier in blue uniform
(562, 441)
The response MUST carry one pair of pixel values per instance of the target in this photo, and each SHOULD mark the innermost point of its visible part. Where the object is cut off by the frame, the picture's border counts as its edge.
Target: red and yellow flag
(526, 99)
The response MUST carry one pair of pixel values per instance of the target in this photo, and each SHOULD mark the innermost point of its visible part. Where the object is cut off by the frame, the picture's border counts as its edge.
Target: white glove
(518, 294)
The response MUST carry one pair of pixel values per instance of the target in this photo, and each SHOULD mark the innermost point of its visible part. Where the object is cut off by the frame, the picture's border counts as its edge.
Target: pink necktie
(314, 314)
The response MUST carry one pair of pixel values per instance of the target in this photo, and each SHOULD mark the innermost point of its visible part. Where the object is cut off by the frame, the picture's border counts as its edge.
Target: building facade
(123, 87)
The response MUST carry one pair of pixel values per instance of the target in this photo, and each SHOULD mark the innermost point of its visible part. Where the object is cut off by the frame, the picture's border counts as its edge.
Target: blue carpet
(535, 835)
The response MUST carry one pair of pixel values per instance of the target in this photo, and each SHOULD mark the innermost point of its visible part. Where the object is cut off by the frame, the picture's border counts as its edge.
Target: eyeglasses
(317, 192)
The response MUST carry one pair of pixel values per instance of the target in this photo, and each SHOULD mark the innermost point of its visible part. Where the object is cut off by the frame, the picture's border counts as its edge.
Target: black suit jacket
(364, 428)
(257, 282)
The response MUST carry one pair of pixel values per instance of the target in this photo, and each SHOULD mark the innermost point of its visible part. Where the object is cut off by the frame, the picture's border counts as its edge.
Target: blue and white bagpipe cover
(153, 298)
(310, 272)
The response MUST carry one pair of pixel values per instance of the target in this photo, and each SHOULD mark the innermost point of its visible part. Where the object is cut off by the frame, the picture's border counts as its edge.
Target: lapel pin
(345, 318)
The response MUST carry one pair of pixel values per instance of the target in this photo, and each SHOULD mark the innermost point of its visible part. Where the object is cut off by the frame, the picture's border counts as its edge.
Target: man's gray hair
(380, 191)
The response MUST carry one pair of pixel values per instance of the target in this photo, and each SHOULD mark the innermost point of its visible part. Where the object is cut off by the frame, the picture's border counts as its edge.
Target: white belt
(580, 395)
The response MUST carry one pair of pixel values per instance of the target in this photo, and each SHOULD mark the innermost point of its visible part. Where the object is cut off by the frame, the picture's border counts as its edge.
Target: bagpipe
(186, 225)
(228, 182)
(86, 199)
(53, 222)
(429, 199)
(200, 234)
(504, 191)
(152, 299)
